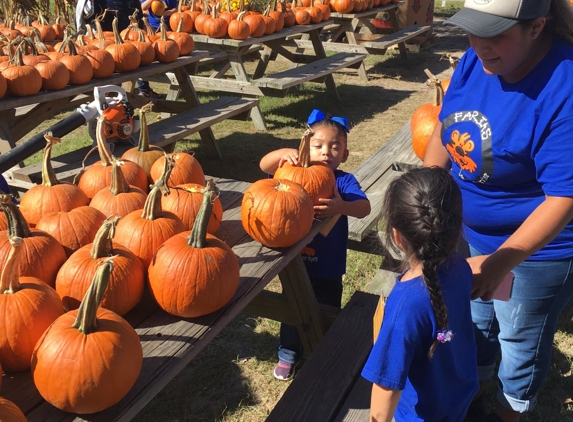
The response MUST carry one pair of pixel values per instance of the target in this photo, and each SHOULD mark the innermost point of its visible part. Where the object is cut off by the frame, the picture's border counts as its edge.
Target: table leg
(7, 141)
(190, 96)
(396, 27)
(303, 305)
(351, 38)
(242, 75)
(321, 54)
(263, 62)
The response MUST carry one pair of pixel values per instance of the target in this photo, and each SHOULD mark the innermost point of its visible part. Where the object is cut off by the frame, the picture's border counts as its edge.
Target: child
(423, 364)
(155, 20)
(325, 256)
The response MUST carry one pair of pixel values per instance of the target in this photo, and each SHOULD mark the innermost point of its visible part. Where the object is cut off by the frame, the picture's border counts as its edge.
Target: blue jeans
(522, 329)
(327, 291)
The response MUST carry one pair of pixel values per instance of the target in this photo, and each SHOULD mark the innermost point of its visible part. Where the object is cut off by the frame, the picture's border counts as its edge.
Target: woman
(505, 130)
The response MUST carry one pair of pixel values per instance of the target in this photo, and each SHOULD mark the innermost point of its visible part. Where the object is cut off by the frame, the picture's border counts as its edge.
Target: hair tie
(445, 336)
(316, 116)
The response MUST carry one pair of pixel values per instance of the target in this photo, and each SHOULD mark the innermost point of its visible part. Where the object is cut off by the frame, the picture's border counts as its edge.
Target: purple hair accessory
(445, 336)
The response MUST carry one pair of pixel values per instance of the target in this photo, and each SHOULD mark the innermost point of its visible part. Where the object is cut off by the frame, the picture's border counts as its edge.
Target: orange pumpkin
(51, 196)
(158, 7)
(183, 39)
(238, 29)
(215, 27)
(125, 55)
(9, 412)
(181, 20)
(342, 6)
(194, 273)
(425, 118)
(21, 80)
(69, 346)
(256, 24)
(317, 179)
(28, 306)
(276, 213)
(166, 50)
(187, 169)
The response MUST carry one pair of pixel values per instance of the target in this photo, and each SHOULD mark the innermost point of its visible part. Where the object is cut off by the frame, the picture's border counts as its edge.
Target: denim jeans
(522, 329)
(328, 291)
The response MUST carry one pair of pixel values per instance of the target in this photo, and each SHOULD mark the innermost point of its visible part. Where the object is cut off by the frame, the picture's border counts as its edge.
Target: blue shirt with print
(154, 20)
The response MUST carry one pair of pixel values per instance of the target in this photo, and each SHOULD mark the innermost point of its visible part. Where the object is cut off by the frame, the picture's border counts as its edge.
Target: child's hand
(290, 156)
(328, 207)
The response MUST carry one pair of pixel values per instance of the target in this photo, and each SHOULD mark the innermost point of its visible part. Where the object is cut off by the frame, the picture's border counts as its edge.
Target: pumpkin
(9, 412)
(43, 255)
(97, 350)
(50, 196)
(270, 22)
(425, 118)
(3, 85)
(80, 68)
(325, 8)
(28, 306)
(194, 273)
(317, 179)
(46, 31)
(158, 7)
(215, 27)
(102, 62)
(143, 231)
(187, 169)
(181, 21)
(276, 213)
(315, 14)
(55, 75)
(183, 39)
(131, 32)
(59, 28)
(101, 41)
(125, 55)
(166, 50)
(150, 35)
(238, 29)
(143, 154)
(256, 24)
(279, 18)
(73, 229)
(144, 47)
(126, 284)
(185, 201)
(21, 80)
(201, 18)
(98, 175)
(453, 64)
(342, 6)
(301, 16)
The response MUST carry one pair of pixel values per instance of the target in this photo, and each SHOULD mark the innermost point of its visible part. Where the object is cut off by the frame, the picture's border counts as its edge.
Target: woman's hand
(486, 278)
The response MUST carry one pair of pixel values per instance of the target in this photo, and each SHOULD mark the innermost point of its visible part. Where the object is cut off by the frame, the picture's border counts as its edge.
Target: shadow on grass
(213, 384)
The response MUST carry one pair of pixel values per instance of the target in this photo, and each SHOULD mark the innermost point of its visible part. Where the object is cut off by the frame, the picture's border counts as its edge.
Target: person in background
(504, 130)
(423, 364)
(324, 256)
(87, 10)
(154, 20)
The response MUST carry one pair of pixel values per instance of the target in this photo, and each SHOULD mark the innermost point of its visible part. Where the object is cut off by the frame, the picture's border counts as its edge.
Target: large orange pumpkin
(125, 55)
(28, 306)
(194, 273)
(425, 118)
(317, 179)
(277, 213)
(51, 196)
(97, 350)
(126, 284)
(9, 412)
(187, 169)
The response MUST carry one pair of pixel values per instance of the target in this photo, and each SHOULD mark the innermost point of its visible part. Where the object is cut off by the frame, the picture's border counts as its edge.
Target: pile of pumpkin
(69, 248)
(279, 212)
(31, 60)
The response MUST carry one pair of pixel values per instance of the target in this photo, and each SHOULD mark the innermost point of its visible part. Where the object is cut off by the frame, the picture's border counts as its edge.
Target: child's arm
(275, 159)
(383, 403)
(336, 205)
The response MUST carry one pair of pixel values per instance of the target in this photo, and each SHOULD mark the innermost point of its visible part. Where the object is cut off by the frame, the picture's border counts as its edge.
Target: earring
(534, 34)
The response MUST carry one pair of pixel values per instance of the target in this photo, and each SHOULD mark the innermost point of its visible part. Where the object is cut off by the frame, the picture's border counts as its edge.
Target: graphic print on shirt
(308, 254)
(467, 136)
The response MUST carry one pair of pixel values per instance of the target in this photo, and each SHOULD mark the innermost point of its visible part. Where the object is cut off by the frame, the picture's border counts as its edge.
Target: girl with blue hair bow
(324, 256)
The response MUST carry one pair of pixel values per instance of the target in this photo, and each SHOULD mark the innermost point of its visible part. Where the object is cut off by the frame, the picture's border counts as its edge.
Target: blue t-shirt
(440, 389)
(509, 144)
(4, 185)
(325, 256)
(154, 20)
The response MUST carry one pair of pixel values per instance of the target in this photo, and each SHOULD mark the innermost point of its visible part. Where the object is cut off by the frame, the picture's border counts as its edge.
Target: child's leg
(328, 291)
(290, 348)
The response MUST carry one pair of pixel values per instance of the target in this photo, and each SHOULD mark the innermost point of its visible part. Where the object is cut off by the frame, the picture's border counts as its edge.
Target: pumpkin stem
(17, 224)
(86, 320)
(143, 144)
(105, 154)
(148, 27)
(48, 176)
(304, 148)
(118, 182)
(152, 208)
(102, 245)
(117, 37)
(437, 84)
(198, 236)
(163, 28)
(10, 277)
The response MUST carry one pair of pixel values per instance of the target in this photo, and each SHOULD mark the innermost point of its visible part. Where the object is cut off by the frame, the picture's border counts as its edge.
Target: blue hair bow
(317, 116)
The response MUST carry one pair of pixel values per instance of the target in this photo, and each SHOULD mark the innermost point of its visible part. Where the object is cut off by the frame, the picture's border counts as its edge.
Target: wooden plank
(370, 13)
(331, 46)
(397, 37)
(308, 72)
(161, 133)
(356, 407)
(226, 85)
(327, 377)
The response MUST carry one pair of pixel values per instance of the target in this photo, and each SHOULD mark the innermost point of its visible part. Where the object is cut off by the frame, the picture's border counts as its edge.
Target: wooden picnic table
(361, 35)
(170, 343)
(18, 116)
(313, 66)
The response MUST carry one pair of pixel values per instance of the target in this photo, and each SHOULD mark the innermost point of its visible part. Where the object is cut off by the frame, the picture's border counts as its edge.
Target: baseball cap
(489, 18)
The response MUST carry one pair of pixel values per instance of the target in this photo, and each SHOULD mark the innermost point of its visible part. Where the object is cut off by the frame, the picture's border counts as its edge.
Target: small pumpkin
(215, 27)
(276, 213)
(183, 39)
(21, 80)
(425, 118)
(238, 29)
(158, 7)
(125, 55)
(9, 412)
(194, 273)
(181, 21)
(187, 169)
(70, 345)
(166, 50)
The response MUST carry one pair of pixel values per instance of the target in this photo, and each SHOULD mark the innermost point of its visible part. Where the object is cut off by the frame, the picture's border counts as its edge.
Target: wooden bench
(162, 133)
(375, 44)
(278, 84)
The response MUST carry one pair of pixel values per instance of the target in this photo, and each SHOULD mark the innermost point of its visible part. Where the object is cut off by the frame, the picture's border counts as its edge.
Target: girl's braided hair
(425, 206)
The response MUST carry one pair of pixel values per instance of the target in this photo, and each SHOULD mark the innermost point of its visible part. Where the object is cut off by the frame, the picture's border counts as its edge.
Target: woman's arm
(540, 228)
(436, 154)
(383, 403)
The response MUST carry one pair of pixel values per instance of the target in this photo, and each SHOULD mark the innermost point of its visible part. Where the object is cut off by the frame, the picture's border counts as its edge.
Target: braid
(430, 270)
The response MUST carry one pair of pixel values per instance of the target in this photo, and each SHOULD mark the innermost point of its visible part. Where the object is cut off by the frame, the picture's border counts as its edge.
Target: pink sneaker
(284, 371)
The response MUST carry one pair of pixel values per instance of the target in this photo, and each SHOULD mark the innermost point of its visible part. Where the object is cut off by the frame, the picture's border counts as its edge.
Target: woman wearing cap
(505, 131)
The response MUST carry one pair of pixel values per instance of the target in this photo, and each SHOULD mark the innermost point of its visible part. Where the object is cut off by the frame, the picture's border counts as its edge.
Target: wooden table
(170, 343)
(361, 34)
(314, 66)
